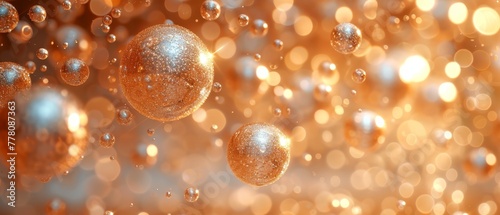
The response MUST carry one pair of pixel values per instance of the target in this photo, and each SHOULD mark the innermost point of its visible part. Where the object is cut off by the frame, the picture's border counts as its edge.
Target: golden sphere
(365, 130)
(258, 153)
(13, 80)
(166, 72)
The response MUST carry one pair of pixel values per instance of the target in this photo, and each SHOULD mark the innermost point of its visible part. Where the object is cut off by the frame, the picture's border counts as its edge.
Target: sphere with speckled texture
(8, 17)
(166, 72)
(345, 38)
(14, 79)
(258, 153)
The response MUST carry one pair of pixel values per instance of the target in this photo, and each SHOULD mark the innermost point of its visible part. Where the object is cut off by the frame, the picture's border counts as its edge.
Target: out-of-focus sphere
(30, 66)
(77, 42)
(278, 44)
(480, 163)
(259, 28)
(13, 79)
(51, 134)
(210, 10)
(66, 4)
(258, 153)
(8, 17)
(243, 20)
(42, 54)
(358, 76)
(191, 194)
(345, 38)
(166, 72)
(107, 140)
(74, 72)
(37, 13)
(116, 13)
(323, 92)
(124, 116)
(365, 130)
(22, 33)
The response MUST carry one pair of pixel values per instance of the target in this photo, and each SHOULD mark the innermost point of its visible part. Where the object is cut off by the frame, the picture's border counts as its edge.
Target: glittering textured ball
(210, 10)
(74, 72)
(358, 76)
(191, 194)
(107, 140)
(50, 132)
(124, 116)
(243, 20)
(345, 38)
(365, 130)
(13, 79)
(258, 153)
(166, 72)
(8, 17)
(37, 13)
(480, 164)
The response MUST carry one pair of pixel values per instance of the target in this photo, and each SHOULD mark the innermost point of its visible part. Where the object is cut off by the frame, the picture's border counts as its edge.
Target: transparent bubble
(277, 112)
(251, 148)
(116, 13)
(243, 20)
(259, 28)
(107, 20)
(124, 116)
(30, 67)
(14, 79)
(401, 204)
(111, 38)
(8, 17)
(168, 194)
(323, 92)
(65, 45)
(66, 5)
(191, 194)
(22, 33)
(107, 140)
(112, 157)
(365, 130)
(257, 57)
(358, 76)
(345, 38)
(217, 87)
(43, 68)
(105, 28)
(278, 44)
(42, 54)
(37, 13)
(179, 68)
(74, 72)
(210, 10)
(151, 131)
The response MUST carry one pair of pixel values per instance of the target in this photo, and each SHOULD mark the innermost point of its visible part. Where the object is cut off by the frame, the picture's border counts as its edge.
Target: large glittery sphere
(345, 38)
(258, 153)
(365, 130)
(8, 17)
(50, 132)
(166, 72)
(13, 79)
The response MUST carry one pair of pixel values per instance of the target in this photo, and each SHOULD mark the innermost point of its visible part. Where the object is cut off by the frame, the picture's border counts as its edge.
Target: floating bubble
(55, 207)
(365, 130)
(107, 140)
(42, 54)
(217, 87)
(166, 72)
(116, 13)
(323, 92)
(210, 10)
(22, 33)
(359, 76)
(37, 13)
(111, 38)
(43, 68)
(124, 116)
(107, 20)
(243, 20)
(277, 112)
(259, 28)
(258, 153)
(480, 163)
(168, 194)
(105, 28)
(30, 67)
(74, 72)
(345, 38)
(14, 79)
(8, 17)
(191, 194)
(278, 44)
(401, 204)
(66, 5)
(257, 57)
(51, 134)
(151, 131)
(77, 43)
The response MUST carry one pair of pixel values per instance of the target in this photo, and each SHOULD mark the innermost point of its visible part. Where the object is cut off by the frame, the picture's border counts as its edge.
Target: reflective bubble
(191, 194)
(259, 28)
(43, 68)
(66, 5)
(168, 194)
(37, 13)
(166, 72)
(116, 13)
(323, 92)
(345, 38)
(105, 28)
(22, 33)
(243, 20)
(55, 207)
(480, 163)
(107, 20)
(14, 79)
(107, 140)
(76, 41)
(258, 154)
(74, 72)
(42, 54)
(210, 10)
(401, 204)
(217, 87)
(30, 67)
(151, 131)
(358, 76)
(111, 38)
(257, 57)
(278, 44)
(365, 130)
(51, 133)
(8, 17)
(124, 116)
(277, 112)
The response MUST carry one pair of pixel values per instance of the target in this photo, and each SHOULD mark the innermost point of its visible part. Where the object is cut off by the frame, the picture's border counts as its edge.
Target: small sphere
(42, 54)
(277, 112)
(168, 194)
(105, 28)
(107, 20)
(191, 194)
(210, 10)
(258, 154)
(66, 4)
(217, 87)
(111, 38)
(365, 130)
(8, 17)
(22, 33)
(166, 72)
(37, 13)
(257, 57)
(107, 140)
(124, 116)
(30, 67)
(116, 13)
(480, 164)
(14, 79)
(243, 20)
(74, 72)
(43, 68)
(278, 44)
(259, 28)
(151, 131)
(359, 76)
(323, 92)
(345, 38)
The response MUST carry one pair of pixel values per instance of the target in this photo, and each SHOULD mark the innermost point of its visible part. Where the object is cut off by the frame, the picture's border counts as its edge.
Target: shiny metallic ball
(365, 130)
(345, 38)
(13, 80)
